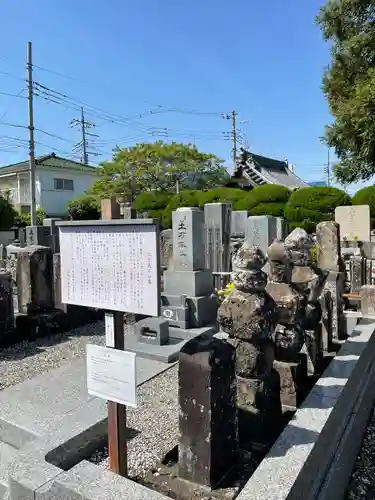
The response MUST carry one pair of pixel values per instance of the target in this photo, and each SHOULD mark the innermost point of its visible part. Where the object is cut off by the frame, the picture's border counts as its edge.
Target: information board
(113, 267)
(112, 375)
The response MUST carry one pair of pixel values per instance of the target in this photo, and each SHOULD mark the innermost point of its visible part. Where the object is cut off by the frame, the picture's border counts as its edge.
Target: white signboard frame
(112, 374)
(112, 265)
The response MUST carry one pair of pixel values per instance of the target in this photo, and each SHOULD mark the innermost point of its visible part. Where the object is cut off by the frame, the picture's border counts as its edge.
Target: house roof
(276, 171)
(57, 162)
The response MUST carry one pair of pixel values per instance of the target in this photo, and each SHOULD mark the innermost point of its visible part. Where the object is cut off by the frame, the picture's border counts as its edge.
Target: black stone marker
(208, 420)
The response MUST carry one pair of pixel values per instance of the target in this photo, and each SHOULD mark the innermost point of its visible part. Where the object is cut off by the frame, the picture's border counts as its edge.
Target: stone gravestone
(187, 283)
(368, 301)
(354, 222)
(53, 232)
(6, 305)
(34, 280)
(38, 235)
(329, 260)
(238, 224)
(280, 228)
(217, 217)
(208, 423)
(261, 231)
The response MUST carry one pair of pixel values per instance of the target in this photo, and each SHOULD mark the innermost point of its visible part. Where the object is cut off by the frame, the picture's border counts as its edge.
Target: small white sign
(109, 322)
(111, 375)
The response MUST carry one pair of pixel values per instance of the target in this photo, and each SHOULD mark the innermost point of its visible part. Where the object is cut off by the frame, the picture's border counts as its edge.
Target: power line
(172, 109)
(13, 95)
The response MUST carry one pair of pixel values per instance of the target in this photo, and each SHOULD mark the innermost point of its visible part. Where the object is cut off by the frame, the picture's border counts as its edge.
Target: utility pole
(31, 134)
(328, 168)
(234, 139)
(82, 146)
(84, 143)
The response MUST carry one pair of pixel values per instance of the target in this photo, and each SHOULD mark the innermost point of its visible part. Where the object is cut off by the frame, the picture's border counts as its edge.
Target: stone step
(7, 455)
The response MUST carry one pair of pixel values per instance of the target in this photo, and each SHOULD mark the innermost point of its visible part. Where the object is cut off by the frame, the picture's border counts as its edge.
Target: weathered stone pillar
(208, 442)
(34, 279)
(6, 304)
(329, 260)
(217, 218)
(368, 301)
(261, 230)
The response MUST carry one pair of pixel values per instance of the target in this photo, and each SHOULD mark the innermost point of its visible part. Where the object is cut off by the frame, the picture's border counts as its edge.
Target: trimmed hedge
(84, 208)
(222, 194)
(152, 200)
(188, 198)
(310, 205)
(269, 199)
(366, 196)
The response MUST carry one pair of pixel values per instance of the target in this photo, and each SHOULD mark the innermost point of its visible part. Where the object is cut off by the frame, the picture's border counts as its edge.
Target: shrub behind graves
(269, 199)
(25, 219)
(151, 200)
(222, 194)
(7, 213)
(84, 208)
(366, 196)
(310, 205)
(188, 198)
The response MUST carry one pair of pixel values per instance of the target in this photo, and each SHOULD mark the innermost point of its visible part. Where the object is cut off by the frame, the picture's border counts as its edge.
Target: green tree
(25, 219)
(158, 166)
(349, 85)
(84, 208)
(366, 196)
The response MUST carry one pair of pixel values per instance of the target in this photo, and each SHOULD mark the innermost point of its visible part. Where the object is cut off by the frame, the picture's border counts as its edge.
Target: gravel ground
(155, 421)
(362, 483)
(28, 359)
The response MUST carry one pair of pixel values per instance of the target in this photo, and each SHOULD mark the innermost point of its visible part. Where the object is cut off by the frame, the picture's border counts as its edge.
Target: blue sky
(188, 61)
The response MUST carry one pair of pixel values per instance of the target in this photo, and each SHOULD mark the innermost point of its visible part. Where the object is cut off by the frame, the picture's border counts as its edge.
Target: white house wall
(54, 202)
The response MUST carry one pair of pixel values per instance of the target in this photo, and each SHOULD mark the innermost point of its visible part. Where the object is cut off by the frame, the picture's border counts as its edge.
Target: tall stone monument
(217, 218)
(208, 443)
(329, 260)
(188, 284)
(248, 315)
(261, 230)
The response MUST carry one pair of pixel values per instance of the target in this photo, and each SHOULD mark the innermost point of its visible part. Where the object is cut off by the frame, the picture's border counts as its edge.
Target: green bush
(269, 199)
(152, 200)
(222, 194)
(25, 219)
(310, 205)
(188, 198)
(84, 208)
(8, 215)
(366, 196)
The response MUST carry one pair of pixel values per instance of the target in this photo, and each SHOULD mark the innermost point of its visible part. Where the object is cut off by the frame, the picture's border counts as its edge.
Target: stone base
(42, 324)
(167, 482)
(200, 311)
(189, 283)
(291, 380)
(167, 353)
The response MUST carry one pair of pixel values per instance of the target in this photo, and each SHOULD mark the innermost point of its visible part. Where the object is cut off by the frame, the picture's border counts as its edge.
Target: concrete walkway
(37, 406)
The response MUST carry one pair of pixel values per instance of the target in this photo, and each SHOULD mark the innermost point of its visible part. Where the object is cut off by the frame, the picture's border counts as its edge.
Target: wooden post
(117, 444)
